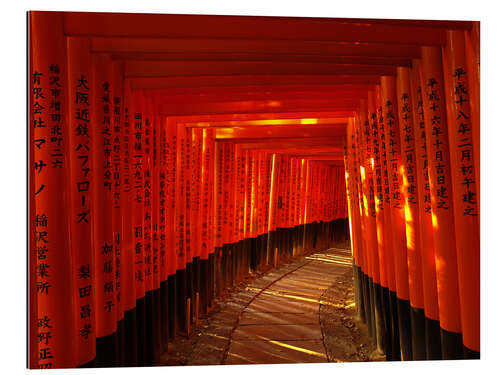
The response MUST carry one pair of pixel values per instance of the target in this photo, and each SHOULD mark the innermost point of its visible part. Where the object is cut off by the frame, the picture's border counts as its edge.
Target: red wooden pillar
(148, 230)
(385, 204)
(292, 201)
(236, 199)
(307, 205)
(162, 226)
(127, 281)
(170, 222)
(170, 176)
(101, 205)
(117, 156)
(378, 187)
(472, 56)
(413, 243)
(368, 220)
(196, 163)
(465, 187)
(394, 166)
(209, 209)
(369, 193)
(180, 225)
(431, 309)
(440, 181)
(219, 212)
(384, 235)
(271, 221)
(137, 166)
(54, 341)
(351, 176)
(204, 222)
(82, 193)
(246, 236)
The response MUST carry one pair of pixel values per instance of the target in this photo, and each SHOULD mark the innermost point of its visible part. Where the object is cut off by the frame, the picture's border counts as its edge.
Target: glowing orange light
(308, 121)
(274, 103)
(362, 170)
(435, 224)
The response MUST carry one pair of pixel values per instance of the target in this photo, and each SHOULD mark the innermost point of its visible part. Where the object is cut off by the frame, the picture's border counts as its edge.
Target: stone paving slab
(269, 303)
(310, 331)
(248, 318)
(269, 352)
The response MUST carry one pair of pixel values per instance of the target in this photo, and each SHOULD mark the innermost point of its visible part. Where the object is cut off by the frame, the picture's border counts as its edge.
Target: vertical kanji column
(180, 228)
(394, 168)
(188, 224)
(354, 217)
(162, 224)
(382, 237)
(147, 229)
(465, 187)
(219, 206)
(204, 221)
(128, 284)
(210, 156)
(101, 200)
(413, 243)
(366, 267)
(440, 182)
(81, 190)
(117, 156)
(196, 219)
(53, 330)
(368, 213)
(170, 178)
(137, 161)
(472, 56)
(431, 309)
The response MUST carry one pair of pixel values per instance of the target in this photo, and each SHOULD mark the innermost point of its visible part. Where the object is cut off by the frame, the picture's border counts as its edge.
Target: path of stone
(281, 323)
(273, 319)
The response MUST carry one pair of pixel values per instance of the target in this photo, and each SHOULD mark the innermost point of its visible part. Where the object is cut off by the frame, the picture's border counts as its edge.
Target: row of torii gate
(170, 155)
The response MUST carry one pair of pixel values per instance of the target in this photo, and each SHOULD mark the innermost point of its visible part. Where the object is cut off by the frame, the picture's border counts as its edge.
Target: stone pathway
(274, 318)
(281, 323)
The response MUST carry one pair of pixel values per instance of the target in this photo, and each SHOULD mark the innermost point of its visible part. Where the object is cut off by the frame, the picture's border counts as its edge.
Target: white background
(13, 164)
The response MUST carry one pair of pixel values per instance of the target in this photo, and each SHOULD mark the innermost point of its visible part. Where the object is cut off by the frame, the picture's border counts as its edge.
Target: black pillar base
(211, 279)
(451, 345)
(367, 304)
(181, 299)
(190, 284)
(404, 319)
(172, 306)
(130, 326)
(379, 318)
(253, 254)
(141, 331)
(358, 290)
(89, 364)
(204, 284)
(386, 307)
(432, 339)
(219, 264)
(164, 315)
(471, 354)
(157, 342)
(417, 320)
(105, 349)
(120, 337)
(150, 329)
(393, 306)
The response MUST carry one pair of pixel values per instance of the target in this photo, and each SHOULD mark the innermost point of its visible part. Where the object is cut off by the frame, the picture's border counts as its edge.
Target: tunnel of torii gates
(169, 155)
